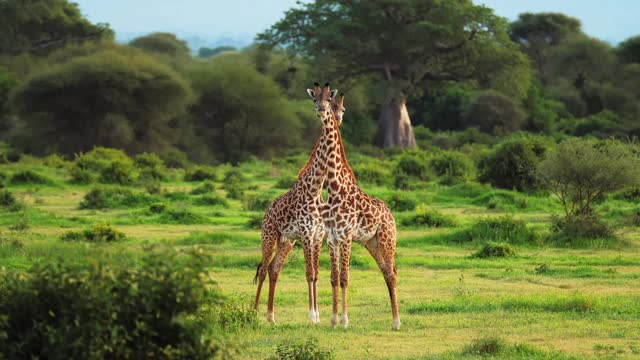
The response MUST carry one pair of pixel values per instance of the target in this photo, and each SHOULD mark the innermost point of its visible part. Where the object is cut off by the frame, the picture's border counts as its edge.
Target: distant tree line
(410, 70)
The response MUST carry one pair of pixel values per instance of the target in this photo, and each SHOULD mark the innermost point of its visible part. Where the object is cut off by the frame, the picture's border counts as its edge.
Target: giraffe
(352, 215)
(296, 214)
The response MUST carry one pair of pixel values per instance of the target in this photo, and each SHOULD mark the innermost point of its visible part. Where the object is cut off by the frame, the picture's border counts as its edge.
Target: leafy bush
(451, 164)
(401, 202)
(286, 181)
(205, 188)
(569, 230)
(114, 197)
(181, 216)
(428, 217)
(150, 165)
(491, 250)
(412, 164)
(58, 310)
(308, 350)
(513, 164)
(211, 200)
(117, 172)
(98, 233)
(28, 177)
(257, 202)
(175, 159)
(232, 316)
(55, 161)
(371, 173)
(255, 221)
(633, 219)
(157, 208)
(200, 174)
(503, 229)
(107, 165)
(235, 183)
(9, 201)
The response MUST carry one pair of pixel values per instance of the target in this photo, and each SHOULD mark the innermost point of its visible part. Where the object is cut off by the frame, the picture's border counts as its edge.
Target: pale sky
(610, 20)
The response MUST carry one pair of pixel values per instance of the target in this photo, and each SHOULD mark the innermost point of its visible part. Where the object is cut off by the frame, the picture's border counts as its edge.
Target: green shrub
(181, 216)
(428, 217)
(102, 311)
(210, 200)
(176, 196)
(371, 173)
(308, 350)
(286, 181)
(491, 250)
(55, 161)
(117, 172)
(486, 346)
(255, 221)
(503, 200)
(633, 219)
(569, 230)
(232, 316)
(503, 229)
(28, 177)
(631, 194)
(150, 165)
(200, 174)
(451, 164)
(7, 199)
(257, 202)
(82, 176)
(513, 164)
(412, 164)
(205, 188)
(114, 197)
(106, 165)
(98, 233)
(175, 159)
(157, 208)
(401, 202)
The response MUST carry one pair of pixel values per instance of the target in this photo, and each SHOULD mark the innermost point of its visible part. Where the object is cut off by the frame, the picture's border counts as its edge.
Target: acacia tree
(408, 44)
(38, 26)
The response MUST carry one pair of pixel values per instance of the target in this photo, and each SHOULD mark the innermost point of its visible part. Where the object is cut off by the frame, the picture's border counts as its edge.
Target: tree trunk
(394, 126)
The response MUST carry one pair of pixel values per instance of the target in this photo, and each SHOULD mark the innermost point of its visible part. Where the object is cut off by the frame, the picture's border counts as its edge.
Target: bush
(257, 202)
(231, 316)
(451, 164)
(205, 188)
(64, 311)
(570, 230)
(235, 183)
(181, 216)
(200, 174)
(157, 208)
(150, 165)
(175, 159)
(491, 250)
(428, 217)
(513, 164)
(412, 164)
(286, 182)
(55, 161)
(28, 177)
(401, 202)
(211, 200)
(99, 233)
(255, 221)
(8, 200)
(494, 113)
(371, 173)
(503, 229)
(308, 350)
(108, 198)
(117, 172)
(107, 165)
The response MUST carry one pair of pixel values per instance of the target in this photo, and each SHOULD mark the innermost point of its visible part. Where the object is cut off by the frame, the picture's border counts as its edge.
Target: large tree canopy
(111, 98)
(408, 43)
(37, 26)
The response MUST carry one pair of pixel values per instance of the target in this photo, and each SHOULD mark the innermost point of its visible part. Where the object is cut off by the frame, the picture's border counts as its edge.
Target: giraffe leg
(270, 237)
(308, 248)
(335, 278)
(316, 264)
(383, 248)
(345, 256)
(282, 251)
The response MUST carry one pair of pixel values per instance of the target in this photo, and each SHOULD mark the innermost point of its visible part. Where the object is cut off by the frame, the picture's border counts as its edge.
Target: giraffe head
(322, 98)
(337, 105)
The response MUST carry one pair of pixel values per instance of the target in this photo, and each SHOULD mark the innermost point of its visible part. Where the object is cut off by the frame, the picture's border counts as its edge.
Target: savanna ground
(545, 302)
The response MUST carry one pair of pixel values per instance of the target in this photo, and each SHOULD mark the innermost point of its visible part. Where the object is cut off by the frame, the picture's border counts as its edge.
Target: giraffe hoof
(271, 318)
(334, 320)
(312, 316)
(344, 321)
(317, 317)
(396, 324)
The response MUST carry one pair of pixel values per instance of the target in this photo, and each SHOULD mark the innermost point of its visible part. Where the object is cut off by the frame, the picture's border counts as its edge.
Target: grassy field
(545, 302)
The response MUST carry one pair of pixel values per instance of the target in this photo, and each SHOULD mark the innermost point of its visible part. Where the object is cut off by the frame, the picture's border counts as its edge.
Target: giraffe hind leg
(270, 238)
(383, 247)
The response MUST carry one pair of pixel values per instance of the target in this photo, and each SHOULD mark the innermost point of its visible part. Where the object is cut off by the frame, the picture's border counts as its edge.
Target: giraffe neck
(339, 173)
(313, 175)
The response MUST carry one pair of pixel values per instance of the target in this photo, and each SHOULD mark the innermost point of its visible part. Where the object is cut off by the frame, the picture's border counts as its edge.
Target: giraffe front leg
(308, 249)
(345, 256)
(334, 253)
(316, 262)
(282, 251)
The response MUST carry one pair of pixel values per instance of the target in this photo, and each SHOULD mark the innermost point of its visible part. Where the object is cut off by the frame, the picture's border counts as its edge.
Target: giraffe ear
(333, 93)
(312, 94)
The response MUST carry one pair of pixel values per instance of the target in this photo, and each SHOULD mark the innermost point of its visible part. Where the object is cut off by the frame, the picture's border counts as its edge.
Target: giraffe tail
(255, 278)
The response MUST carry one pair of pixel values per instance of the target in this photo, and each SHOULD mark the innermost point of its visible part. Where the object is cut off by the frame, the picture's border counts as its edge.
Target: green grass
(547, 302)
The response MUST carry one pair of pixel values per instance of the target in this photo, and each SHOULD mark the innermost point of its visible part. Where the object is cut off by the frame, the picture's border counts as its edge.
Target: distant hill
(196, 41)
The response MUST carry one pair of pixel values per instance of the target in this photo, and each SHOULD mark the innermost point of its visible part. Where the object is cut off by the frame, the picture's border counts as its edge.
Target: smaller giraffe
(296, 214)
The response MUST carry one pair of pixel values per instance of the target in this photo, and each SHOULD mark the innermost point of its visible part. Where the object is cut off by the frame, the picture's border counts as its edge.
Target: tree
(7, 82)
(162, 44)
(581, 171)
(538, 33)
(628, 51)
(494, 113)
(205, 52)
(408, 44)
(111, 98)
(239, 112)
(38, 26)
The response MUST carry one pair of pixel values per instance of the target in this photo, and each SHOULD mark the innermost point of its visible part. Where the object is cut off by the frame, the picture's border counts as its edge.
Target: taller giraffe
(351, 215)
(296, 214)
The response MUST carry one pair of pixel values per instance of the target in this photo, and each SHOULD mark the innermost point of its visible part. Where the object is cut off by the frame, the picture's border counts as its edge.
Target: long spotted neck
(312, 177)
(339, 173)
